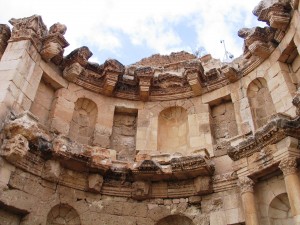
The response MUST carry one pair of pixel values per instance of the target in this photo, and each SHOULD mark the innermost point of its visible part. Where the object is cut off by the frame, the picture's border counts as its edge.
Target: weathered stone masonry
(168, 140)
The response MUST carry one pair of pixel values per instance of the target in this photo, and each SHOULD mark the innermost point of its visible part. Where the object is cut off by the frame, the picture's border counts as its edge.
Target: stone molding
(277, 129)
(288, 166)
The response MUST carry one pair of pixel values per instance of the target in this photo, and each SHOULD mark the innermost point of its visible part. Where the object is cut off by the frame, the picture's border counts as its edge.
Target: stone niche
(63, 214)
(8, 218)
(83, 121)
(280, 210)
(174, 220)
(123, 137)
(42, 103)
(260, 100)
(223, 121)
(173, 131)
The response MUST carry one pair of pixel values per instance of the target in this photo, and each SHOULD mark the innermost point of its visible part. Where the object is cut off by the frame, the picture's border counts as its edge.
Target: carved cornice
(246, 184)
(288, 166)
(277, 129)
(274, 13)
(54, 44)
(25, 131)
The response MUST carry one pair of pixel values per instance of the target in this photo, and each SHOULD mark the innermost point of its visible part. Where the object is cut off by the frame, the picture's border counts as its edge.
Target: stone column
(248, 200)
(292, 184)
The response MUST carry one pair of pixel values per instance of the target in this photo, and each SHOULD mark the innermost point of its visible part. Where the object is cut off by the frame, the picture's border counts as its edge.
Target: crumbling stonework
(168, 140)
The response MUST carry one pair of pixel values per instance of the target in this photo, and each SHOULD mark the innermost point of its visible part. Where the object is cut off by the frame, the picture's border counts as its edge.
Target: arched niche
(280, 210)
(173, 132)
(83, 121)
(260, 100)
(175, 220)
(63, 214)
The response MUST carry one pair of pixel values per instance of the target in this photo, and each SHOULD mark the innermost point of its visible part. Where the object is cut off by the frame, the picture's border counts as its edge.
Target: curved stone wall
(168, 139)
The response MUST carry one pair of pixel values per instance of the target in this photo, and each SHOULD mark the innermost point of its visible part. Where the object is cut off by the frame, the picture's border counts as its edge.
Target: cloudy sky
(129, 30)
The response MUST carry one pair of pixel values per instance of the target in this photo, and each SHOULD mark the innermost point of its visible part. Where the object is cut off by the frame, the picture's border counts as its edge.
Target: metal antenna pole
(227, 55)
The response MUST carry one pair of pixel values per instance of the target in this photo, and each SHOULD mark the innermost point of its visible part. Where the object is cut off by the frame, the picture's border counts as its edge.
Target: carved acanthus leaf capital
(246, 184)
(288, 166)
(29, 28)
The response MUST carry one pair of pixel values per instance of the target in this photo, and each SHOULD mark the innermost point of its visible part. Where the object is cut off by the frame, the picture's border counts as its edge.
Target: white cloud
(103, 23)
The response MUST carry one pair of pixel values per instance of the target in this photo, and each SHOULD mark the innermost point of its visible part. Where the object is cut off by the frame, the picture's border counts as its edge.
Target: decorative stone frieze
(246, 184)
(145, 78)
(4, 37)
(29, 28)
(54, 44)
(288, 166)
(277, 129)
(141, 190)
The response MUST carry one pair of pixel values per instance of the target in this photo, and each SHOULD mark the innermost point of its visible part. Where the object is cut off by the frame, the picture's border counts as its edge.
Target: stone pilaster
(292, 184)
(248, 199)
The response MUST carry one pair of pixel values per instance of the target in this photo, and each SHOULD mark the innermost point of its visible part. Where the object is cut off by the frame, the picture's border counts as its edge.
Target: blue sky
(130, 30)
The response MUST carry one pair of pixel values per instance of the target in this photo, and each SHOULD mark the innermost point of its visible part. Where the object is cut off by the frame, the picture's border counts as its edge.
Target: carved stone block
(230, 73)
(194, 81)
(140, 190)
(29, 28)
(16, 148)
(203, 185)
(72, 72)
(51, 170)
(95, 182)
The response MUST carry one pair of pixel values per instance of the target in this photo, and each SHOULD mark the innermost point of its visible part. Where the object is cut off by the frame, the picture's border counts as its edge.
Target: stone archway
(261, 103)
(280, 211)
(83, 121)
(63, 214)
(175, 220)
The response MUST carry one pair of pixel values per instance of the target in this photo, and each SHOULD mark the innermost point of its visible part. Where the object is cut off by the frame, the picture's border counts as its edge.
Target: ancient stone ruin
(168, 140)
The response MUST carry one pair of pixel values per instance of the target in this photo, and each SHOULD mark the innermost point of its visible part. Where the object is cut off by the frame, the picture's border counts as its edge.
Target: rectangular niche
(123, 137)
(42, 103)
(223, 121)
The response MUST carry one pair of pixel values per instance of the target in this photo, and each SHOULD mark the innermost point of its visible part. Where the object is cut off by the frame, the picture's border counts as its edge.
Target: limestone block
(95, 182)
(140, 190)
(72, 72)
(203, 184)
(51, 170)
(16, 148)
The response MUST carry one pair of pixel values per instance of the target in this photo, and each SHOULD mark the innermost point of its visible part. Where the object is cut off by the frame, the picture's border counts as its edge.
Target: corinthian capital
(246, 184)
(288, 166)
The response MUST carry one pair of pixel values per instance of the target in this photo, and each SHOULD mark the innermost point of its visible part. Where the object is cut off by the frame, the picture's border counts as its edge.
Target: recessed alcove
(173, 132)
(123, 137)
